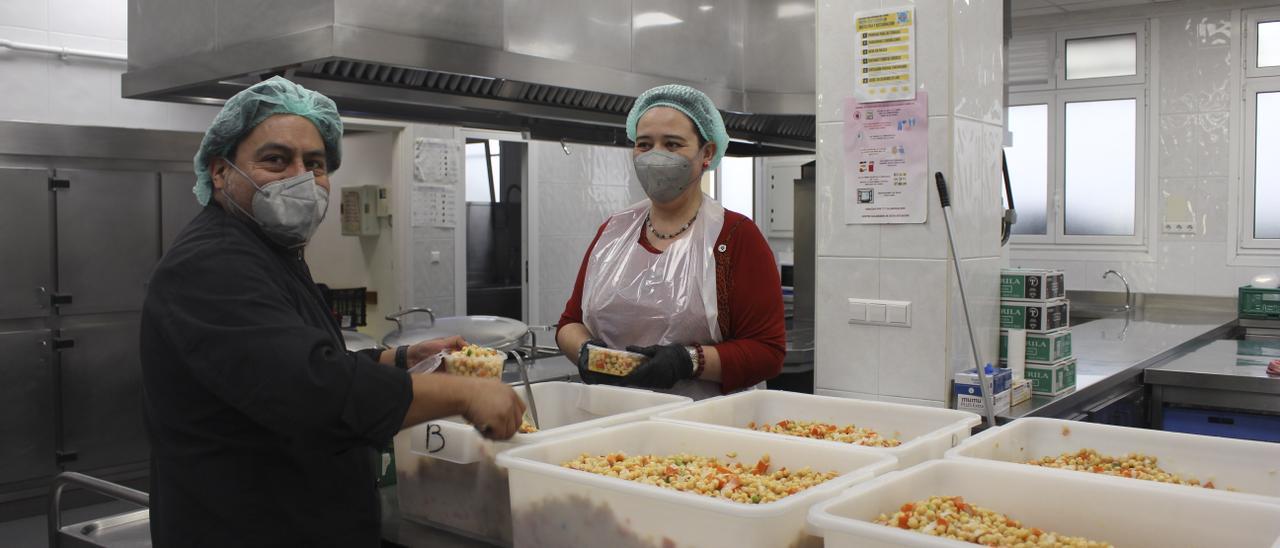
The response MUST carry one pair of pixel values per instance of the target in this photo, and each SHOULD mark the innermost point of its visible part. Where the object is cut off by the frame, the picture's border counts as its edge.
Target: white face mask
(288, 210)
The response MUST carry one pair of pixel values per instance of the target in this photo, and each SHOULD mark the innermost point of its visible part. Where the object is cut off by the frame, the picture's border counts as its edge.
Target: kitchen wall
(1196, 139)
(40, 87)
(958, 47)
(360, 261)
(570, 196)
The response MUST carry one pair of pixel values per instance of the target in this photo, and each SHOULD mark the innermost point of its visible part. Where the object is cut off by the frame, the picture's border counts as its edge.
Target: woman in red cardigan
(676, 277)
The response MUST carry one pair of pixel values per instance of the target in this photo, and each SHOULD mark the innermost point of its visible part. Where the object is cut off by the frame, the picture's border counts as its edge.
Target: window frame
(1138, 29)
(1048, 99)
(1056, 238)
(1138, 95)
(1252, 18)
(1247, 244)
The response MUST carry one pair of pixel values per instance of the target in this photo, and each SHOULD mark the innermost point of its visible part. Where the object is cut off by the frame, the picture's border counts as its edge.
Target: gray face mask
(288, 210)
(663, 175)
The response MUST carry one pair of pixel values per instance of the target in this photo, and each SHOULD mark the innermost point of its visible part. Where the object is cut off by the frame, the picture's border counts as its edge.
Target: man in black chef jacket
(263, 427)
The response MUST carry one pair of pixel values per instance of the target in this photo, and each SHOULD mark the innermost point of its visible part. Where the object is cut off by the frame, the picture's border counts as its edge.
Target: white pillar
(960, 65)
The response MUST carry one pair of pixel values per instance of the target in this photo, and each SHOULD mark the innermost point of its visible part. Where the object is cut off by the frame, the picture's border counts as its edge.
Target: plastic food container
(458, 363)
(1129, 514)
(613, 362)
(926, 432)
(446, 476)
(1252, 468)
(554, 506)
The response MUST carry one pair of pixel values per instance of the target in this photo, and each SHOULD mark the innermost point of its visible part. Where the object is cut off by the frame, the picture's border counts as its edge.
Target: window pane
(1266, 204)
(1102, 56)
(1100, 148)
(477, 174)
(737, 185)
(1029, 166)
(1269, 44)
(496, 164)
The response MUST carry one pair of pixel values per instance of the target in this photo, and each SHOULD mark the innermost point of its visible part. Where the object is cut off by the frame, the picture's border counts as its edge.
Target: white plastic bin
(445, 470)
(1130, 514)
(926, 432)
(1251, 468)
(554, 506)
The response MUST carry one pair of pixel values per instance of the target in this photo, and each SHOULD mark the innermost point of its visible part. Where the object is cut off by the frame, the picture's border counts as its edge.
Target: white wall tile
(927, 240)
(24, 77)
(845, 394)
(1141, 276)
(982, 287)
(912, 361)
(84, 89)
(846, 356)
(100, 18)
(974, 186)
(835, 50)
(913, 401)
(1177, 147)
(31, 14)
(834, 237)
(934, 43)
(1212, 130)
(1194, 268)
(977, 60)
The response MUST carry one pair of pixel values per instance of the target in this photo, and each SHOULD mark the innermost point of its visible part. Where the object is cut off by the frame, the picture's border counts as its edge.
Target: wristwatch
(402, 357)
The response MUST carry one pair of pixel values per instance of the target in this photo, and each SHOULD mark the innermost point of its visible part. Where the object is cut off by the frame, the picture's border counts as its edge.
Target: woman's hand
(591, 377)
(426, 349)
(666, 365)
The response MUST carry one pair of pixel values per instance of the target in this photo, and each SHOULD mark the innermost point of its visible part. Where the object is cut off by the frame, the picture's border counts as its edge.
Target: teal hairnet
(245, 110)
(694, 104)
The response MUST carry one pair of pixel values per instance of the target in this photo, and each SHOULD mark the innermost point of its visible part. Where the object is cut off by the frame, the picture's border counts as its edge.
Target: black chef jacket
(262, 425)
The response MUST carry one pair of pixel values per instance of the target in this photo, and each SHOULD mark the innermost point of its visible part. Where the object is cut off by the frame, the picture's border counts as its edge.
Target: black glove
(591, 377)
(666, 365)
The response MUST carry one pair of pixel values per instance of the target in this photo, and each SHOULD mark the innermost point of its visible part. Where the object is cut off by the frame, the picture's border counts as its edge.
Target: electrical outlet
(1179, 227)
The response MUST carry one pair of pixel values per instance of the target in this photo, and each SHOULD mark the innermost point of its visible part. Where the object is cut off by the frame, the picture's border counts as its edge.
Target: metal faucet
(1127, 294)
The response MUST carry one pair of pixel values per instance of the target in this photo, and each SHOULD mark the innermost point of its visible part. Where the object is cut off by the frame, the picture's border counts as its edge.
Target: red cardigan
(749, 298)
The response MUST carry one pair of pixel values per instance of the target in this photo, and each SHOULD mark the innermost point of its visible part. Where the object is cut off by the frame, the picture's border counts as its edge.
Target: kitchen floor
(32, 532)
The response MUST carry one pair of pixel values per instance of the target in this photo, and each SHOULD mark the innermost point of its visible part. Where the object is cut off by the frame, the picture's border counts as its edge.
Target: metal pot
(356, 342)
(493, 332)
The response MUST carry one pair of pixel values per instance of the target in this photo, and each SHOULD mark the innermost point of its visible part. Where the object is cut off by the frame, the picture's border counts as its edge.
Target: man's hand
(493, 408)
(426, 349)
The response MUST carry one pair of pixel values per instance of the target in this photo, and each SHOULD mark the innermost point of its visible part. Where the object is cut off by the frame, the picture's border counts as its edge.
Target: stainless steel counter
(554, 368)
(1229, 374)
(1113, 351)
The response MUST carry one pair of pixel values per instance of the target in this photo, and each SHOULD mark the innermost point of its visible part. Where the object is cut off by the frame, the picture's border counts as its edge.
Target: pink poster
(886, 161)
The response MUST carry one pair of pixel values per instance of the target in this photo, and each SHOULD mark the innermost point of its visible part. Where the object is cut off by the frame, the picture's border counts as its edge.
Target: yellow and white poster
(885, 60)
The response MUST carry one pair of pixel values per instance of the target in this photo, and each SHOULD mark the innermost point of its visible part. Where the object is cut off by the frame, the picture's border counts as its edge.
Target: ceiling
(1027, 8)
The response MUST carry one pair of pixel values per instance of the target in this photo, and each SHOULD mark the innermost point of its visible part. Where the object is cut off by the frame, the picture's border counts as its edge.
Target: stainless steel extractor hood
(555, 69)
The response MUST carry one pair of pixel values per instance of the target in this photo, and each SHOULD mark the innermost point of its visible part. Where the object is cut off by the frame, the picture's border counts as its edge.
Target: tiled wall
(1196, 55)
(960, 66)
(40, 87)
(431, 283)
(571, 196)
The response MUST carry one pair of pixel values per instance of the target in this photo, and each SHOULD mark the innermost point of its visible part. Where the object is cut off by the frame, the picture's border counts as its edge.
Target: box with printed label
(1051, 379)
(1027, 284)
(1020, 392)
(1038, 317)
(1041, 347)
(1001, 377)
(969, 398)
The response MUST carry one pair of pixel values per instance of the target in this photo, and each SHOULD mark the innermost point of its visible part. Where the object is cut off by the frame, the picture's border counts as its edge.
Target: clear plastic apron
(631, 296)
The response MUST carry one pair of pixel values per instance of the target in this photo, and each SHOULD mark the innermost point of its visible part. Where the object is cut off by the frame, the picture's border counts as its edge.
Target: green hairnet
(693, 103)
(245, 110)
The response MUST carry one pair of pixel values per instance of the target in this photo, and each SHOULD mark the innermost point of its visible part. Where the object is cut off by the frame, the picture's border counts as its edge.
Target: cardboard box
(1029, 284)
(1051, 379)
(1037, 317)
(1020, 392)
(1041, 347)
(1003, 378)
(969, 398)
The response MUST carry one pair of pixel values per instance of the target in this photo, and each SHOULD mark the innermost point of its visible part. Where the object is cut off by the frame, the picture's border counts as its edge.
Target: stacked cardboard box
(1035, 301)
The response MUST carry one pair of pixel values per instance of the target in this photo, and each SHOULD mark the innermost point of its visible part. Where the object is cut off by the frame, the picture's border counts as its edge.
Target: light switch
(897, 314)
(435, 257)
(857, 310)
(876, 313)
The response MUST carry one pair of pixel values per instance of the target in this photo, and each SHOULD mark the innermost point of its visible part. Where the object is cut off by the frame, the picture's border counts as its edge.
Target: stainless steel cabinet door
(26, 406)
(177, 205)
(102, 419)
(108, 238)
(26, 243)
